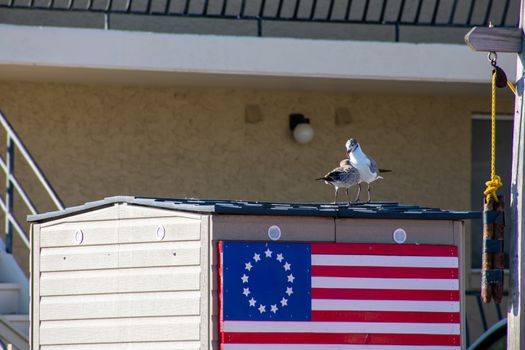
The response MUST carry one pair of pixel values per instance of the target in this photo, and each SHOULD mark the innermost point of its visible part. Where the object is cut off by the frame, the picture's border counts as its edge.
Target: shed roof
(375, 210)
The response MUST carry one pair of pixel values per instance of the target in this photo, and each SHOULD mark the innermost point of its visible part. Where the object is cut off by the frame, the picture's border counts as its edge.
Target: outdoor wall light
(301, 128)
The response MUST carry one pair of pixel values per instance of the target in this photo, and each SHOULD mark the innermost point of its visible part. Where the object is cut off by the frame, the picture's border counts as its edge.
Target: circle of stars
(248, 266)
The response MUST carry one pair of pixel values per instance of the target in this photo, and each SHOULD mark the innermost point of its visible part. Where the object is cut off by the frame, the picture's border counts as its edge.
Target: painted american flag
(338, 296)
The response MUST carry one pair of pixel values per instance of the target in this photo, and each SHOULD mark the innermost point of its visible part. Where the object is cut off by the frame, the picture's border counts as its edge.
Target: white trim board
(34, 49)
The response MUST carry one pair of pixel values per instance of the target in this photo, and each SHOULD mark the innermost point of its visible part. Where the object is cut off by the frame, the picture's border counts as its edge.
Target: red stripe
(340, 338)
(384, 249)
(384, 294)
(384, 272)
(387, 316)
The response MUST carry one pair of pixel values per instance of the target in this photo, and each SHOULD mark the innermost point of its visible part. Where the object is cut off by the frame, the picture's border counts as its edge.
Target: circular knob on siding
(79, 236)
(399, 235)
(274, 232)
(160, 233)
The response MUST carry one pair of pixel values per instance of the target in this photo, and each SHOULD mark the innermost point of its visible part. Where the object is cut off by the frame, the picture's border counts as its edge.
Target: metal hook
(493, 57)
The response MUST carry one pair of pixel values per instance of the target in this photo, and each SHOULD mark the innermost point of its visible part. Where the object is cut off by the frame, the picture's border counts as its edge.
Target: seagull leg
(335, 197)
(358, 193)
(347, 196)
(369, 196)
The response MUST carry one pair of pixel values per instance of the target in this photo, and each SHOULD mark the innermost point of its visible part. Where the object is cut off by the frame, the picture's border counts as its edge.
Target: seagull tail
(385, 170)
(321, 178)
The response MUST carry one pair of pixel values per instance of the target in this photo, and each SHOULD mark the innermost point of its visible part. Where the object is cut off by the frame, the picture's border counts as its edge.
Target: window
(481, 135)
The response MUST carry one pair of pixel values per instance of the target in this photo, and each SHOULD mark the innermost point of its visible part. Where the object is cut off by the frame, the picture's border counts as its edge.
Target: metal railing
(482, 315)
(436, 13)
(14, 143)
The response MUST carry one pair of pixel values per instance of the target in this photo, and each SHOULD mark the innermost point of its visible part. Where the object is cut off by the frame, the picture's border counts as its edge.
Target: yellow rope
(495, 180)
(511, 87)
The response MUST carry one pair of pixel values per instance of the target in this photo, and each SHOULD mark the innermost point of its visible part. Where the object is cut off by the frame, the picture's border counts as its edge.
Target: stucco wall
(99, 141)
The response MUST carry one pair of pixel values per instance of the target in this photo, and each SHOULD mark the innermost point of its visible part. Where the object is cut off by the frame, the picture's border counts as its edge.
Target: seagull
(344, 176)
(366, 166)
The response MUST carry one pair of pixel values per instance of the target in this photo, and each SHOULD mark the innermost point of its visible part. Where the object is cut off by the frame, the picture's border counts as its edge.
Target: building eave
(125, 57)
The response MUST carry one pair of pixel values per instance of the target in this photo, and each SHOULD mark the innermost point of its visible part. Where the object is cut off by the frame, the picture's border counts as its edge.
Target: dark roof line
(375, 210)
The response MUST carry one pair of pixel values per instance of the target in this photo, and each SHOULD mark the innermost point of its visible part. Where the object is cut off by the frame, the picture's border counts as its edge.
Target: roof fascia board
(253, 56)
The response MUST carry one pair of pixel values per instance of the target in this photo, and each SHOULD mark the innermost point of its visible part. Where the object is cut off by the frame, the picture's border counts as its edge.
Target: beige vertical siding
(121, 285)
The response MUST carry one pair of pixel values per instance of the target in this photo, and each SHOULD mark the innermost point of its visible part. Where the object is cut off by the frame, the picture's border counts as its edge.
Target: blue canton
(266, 281)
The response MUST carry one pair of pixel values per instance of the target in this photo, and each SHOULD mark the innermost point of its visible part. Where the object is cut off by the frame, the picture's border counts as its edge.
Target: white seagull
(344, 176)
(366, 166)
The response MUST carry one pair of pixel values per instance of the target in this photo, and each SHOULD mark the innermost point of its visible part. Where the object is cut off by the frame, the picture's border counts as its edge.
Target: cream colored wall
(99, 141)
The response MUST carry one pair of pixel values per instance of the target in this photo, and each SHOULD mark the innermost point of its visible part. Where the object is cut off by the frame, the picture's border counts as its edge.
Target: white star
(246, 291)
(268, 253)
(290, 278)
(252, 302)
(279, 257)
(284, 302)
(287, 266)
(248, 266)
(244, 278)
(256, 257)
(262, 308)
(289, 291)
(274, 309)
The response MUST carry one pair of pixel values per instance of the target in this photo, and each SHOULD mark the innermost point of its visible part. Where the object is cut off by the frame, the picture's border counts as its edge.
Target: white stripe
(384, 260)
(385, 283)
(340, 327)
(385, 305)
(334, 347)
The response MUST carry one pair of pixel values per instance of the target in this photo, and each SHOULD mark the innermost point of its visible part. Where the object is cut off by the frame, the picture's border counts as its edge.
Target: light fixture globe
(301, 129)
(303, 133)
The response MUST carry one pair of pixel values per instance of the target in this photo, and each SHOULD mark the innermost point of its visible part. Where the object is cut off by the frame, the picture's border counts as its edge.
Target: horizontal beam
(495, 39)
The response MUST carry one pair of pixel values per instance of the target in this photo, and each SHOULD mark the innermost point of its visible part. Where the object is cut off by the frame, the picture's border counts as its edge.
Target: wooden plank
(131, 211)
(126, 231)
(77, 307)
(34, 288)
(381, 231)
(205, 281)
(516, 310)
(117, 330)
(255, 228)
(154, 279)
(494, 39)
(108, 213)
(186, 345)
(120, 256)
(459, 238)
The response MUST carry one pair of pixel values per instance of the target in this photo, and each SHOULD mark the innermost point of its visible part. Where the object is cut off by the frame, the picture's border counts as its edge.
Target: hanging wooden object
(493, 255)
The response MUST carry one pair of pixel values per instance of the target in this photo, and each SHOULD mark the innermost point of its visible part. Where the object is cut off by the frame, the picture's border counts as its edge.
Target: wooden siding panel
(176, 278)
(127, 231)
(186, 345)
(120, 330)
(76, 307)
(255, 228)
(380, 231)
(120, 256)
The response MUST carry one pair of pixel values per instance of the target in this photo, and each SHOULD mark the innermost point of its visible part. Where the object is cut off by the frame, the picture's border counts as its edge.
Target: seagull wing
(373, 166)
(342, 174)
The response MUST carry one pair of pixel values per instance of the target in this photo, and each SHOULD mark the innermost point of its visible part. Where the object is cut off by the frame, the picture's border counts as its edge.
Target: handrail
(12, 184)
(481, 309)
(12, 336)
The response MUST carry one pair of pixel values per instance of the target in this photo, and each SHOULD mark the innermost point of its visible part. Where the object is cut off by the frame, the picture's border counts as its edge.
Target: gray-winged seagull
(344, 176)
(367, 167)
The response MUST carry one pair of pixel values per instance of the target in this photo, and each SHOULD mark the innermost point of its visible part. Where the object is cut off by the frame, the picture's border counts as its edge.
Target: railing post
(10, 162)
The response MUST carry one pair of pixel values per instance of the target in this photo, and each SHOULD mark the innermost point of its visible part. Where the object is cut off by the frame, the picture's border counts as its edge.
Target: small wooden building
(143, 273)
